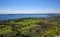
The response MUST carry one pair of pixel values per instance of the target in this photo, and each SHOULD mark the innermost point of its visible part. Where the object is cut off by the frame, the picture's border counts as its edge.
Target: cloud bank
(28, 11)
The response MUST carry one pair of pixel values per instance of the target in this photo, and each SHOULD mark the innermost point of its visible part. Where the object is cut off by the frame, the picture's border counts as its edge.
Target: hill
(30, 27)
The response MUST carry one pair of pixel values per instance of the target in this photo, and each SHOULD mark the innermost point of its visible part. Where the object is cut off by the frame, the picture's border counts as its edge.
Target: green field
(30, 27)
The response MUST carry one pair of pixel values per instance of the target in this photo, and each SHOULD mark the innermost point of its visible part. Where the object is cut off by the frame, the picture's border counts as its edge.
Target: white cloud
(27, 11)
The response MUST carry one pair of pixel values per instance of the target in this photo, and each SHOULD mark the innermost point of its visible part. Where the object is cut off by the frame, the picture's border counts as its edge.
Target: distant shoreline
(18, 16)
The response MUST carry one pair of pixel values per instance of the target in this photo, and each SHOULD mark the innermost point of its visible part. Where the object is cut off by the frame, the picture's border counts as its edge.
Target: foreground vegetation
(30, 27)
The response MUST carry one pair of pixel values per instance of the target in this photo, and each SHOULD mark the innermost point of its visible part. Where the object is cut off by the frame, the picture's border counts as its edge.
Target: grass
(5, 30)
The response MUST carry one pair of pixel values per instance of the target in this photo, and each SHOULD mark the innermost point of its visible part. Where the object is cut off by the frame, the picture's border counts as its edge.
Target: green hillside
(30, 27)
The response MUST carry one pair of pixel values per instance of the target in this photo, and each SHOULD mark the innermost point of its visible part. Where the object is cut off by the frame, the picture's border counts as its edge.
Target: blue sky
(29, 6)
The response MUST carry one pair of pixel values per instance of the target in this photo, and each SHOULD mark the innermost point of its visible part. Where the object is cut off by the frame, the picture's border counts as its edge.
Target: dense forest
(30, 27)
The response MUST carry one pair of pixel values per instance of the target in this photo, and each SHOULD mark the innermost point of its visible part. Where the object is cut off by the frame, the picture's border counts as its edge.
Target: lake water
(15, 16)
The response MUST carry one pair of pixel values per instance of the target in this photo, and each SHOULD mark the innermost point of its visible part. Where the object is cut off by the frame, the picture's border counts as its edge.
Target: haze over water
(16, 16)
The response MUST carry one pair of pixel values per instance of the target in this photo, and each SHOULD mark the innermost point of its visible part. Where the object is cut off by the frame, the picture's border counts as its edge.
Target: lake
(15, 16)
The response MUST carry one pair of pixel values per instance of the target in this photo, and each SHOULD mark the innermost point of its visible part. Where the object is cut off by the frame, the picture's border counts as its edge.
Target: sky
(29, 6)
